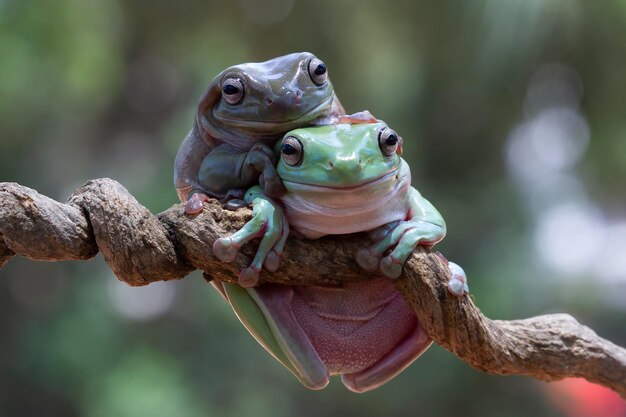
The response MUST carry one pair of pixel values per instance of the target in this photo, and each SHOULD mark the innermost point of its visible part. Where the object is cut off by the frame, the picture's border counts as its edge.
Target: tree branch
(142, 248)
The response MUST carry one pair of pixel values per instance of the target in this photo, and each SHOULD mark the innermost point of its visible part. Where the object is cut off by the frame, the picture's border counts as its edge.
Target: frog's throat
(316, 210)
(243, 133)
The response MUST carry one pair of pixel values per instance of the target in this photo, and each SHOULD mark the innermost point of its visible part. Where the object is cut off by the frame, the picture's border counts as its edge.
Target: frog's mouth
(315, 210)
(363, 331)
(326, 112)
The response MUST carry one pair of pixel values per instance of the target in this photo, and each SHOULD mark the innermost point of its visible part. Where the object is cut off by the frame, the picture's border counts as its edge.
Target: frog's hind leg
(248, 312)
(409, 349)
(265, 312)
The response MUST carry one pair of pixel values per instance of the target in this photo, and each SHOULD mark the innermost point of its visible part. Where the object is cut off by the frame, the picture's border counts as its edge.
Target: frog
(340, 179)
(242, 113)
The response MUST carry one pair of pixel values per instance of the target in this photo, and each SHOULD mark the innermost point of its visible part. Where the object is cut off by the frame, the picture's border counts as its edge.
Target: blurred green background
(514, 118)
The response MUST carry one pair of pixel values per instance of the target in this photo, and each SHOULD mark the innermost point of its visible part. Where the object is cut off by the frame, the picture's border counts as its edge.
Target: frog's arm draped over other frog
(243, 112)
(339, 179)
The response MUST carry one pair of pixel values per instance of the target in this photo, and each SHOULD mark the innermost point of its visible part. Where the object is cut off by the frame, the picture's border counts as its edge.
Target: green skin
(342, 167)
(356, 158)
(230, 144)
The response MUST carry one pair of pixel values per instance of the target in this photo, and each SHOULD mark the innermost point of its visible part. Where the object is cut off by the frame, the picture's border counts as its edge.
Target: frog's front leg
(270, 224)
(189, 157)
(227, 169)
(424, 226)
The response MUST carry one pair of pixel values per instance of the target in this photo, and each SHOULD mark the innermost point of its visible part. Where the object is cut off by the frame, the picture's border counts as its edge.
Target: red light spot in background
(577, 397)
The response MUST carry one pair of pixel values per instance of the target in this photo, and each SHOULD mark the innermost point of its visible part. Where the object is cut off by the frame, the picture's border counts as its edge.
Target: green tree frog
(243, 112)
(343, 178)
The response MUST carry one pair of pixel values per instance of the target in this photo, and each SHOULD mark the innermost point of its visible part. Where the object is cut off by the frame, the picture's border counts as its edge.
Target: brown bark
(142, 248)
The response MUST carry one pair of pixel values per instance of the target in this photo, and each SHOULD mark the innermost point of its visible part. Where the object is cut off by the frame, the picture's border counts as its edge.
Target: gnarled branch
(142, 248)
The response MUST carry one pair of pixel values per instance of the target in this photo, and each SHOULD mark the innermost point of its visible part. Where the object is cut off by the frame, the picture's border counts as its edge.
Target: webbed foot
(268, 223)
(458, 281)
(396, 241)
(262, 159)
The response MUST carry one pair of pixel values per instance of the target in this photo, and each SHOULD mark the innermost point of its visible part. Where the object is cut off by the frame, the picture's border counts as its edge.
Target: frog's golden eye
(317, 71)
(388, 141)
(232, 90)
(291, 151)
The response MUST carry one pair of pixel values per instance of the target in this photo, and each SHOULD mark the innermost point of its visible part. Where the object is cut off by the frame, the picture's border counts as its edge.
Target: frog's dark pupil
(391, 140)
(230, 89)
(288, 149)
(320, 69)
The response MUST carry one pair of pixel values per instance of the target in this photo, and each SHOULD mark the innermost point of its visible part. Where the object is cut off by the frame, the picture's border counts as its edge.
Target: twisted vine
(141, 248)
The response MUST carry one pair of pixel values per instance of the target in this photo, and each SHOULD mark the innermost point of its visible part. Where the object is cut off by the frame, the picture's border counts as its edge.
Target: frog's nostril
(330, 164)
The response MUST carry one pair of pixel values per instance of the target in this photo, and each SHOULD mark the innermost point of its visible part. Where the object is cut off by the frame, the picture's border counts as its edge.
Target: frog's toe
(225, 249)
(195, 204)
(382, 232)
(391, 267)
(357, 118)
(273, 186)
(249, 277)
(272, 261)
(456, 287)
(457, 284)
(367, 259)
(235, 204)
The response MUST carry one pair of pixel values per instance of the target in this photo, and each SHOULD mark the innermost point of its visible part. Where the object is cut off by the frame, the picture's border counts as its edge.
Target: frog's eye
(388, 140)
(291, 151)
(317, 71)
(232, 90)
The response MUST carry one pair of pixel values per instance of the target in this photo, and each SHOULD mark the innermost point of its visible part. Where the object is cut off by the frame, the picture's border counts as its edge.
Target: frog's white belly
(316, 211)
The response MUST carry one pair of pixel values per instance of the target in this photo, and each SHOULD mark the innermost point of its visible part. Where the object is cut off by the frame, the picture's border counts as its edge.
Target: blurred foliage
(107, 88)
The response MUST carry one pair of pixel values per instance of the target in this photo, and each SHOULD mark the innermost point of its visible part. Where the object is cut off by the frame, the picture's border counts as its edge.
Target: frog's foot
(261, 158)
(235, 204)
(458, 280)
(397, 241)
(272, 184)
(195, 204)
(234, 199)
(272, 260)
(379, 234)
(269, 224)
(357, 118)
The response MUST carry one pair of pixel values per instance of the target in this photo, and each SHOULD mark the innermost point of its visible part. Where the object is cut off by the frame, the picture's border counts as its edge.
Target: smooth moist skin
(315, 210)
(339, 179)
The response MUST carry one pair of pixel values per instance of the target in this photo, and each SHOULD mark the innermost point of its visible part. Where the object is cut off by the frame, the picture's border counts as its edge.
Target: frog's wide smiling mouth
(310, 115)
(366, 183)
(321, 209)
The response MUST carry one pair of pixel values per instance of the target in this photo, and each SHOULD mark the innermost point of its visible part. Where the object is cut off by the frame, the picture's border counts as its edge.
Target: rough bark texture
(142, 248)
